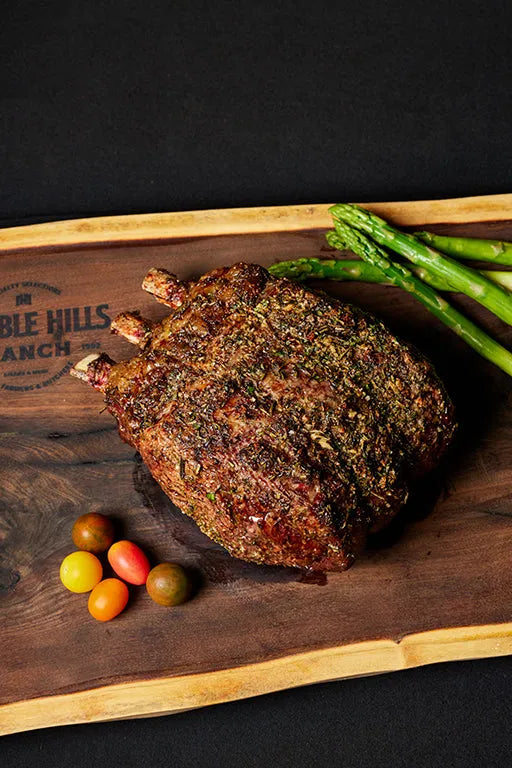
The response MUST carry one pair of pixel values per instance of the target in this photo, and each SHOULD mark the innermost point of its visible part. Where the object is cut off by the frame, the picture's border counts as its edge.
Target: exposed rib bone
(133, 327)
(94, 370)
(165, 287)
(79, 370)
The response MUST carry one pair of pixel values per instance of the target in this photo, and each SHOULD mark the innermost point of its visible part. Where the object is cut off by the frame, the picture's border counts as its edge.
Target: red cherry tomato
(93, 532)
(129, 562)
(108, 599)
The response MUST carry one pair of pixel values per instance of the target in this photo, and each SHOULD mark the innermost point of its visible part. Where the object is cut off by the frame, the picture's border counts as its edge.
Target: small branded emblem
(39, 334)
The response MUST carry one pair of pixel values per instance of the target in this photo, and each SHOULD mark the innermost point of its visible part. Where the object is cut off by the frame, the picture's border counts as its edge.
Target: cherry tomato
(168, 584)
(129, 562)
(108, 599)
(80, 571)
(93, 532)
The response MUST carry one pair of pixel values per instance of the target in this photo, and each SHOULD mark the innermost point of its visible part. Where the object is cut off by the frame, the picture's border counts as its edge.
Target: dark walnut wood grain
(444, 563)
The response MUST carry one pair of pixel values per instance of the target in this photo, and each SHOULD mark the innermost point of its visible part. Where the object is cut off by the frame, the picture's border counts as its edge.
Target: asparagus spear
(351, 269)
(400, 276)
(460, 277)
(497, 276)
(332, 269)
(497, 251)
(501, 278)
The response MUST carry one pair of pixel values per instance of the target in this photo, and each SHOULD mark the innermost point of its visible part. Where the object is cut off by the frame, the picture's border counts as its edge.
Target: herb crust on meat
(287, 424)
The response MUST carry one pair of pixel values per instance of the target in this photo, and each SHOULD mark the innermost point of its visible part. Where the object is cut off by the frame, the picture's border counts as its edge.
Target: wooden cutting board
(436, 586)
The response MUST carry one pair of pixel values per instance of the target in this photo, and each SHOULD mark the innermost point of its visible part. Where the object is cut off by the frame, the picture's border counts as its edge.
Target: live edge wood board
(436, 586)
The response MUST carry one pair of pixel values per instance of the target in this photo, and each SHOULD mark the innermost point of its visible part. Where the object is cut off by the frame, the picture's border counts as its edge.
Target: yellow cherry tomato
(80, 571)
(108, 599)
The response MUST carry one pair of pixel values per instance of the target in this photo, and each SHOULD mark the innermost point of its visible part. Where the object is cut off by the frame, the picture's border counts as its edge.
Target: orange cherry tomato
(129, 562)
(108, 599)
(93, 532)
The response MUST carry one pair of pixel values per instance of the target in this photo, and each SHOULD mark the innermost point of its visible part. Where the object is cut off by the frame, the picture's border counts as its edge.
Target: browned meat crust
(285, 423)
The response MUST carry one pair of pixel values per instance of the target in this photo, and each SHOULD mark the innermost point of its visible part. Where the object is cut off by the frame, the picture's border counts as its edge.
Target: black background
(131, 106)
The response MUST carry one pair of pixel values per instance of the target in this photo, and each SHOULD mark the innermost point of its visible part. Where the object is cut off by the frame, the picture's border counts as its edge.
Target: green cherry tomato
(168, 584)
(93, 532)
(108, 599)
(129, 562)
(80, 571)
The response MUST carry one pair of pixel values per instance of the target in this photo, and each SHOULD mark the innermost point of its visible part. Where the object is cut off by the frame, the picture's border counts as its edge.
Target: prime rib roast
(287, 424)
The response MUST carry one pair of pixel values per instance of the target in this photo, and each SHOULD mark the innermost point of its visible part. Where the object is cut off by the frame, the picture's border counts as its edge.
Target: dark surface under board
(128, 106)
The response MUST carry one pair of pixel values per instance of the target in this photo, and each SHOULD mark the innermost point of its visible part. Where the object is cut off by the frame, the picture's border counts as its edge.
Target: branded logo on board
(39, 334)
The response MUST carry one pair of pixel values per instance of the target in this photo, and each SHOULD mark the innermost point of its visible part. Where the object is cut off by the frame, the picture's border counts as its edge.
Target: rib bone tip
(132, 327)
(94, 370)
(82, 365)
(165, 287)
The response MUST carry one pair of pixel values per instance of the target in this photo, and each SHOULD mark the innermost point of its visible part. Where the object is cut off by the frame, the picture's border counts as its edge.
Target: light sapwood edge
(168, 695)
(233, 221)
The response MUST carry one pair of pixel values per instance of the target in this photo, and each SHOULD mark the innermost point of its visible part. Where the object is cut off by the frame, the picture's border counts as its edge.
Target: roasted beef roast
(287, 424)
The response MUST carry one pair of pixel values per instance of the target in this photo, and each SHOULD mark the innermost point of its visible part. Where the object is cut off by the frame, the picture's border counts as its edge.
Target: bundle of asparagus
(433, 268)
